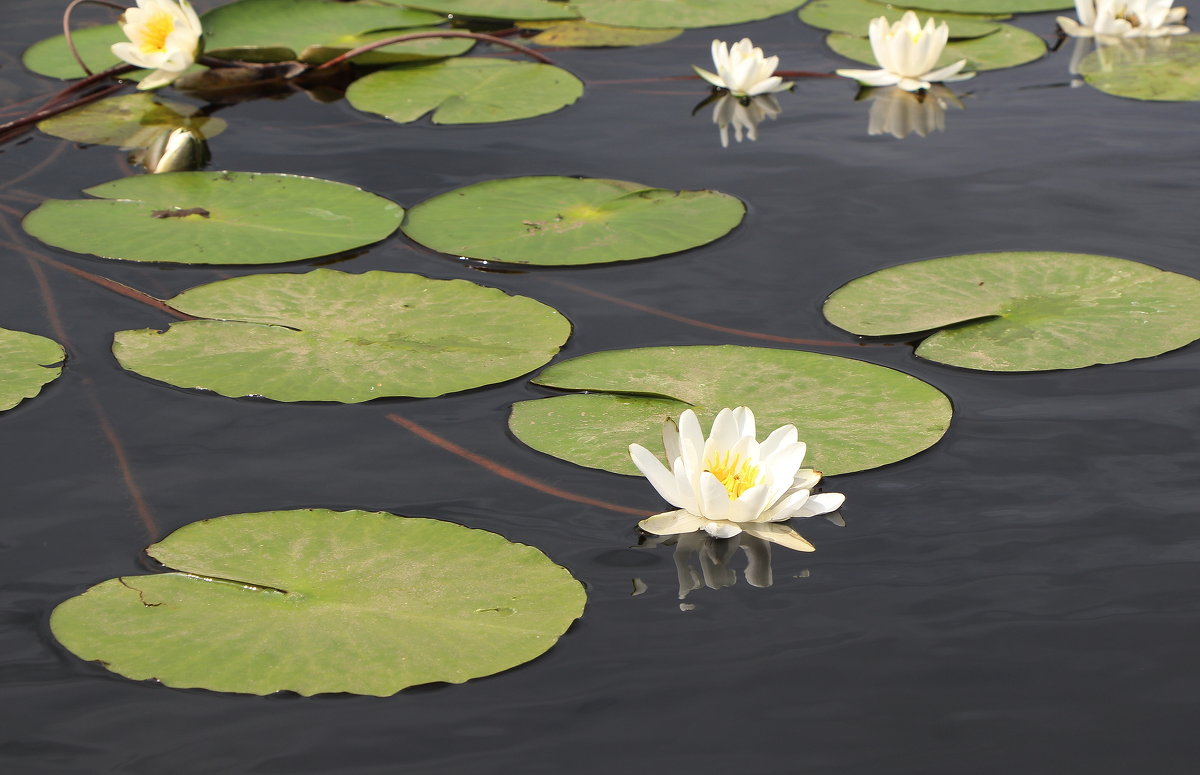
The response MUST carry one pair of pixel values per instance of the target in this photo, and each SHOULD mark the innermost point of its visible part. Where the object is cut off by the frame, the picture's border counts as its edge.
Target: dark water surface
(1021, 598)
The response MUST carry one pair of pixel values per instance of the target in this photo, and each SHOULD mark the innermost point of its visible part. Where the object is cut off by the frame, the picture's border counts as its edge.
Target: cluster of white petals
(164, 36)
(744, 115)
(1124, 19)
(730, 483)
(907, 52)
(742, 70)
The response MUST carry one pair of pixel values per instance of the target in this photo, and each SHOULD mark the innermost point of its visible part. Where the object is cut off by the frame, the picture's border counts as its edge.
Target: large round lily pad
(331, 336)
(1008, 47)
(558, 221)
(27, 363)
(853, 17)
(1025, 311)
(52, 58)
(498, 9)
(215, 218)
(129, 121)
(315, 601)
(1161, 69)
(679, 13)
(990, 6)
(853, 415)
(466, 91)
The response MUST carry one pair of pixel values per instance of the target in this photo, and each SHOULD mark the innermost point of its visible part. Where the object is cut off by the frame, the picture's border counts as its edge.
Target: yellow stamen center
(154, 32)
(738, 474)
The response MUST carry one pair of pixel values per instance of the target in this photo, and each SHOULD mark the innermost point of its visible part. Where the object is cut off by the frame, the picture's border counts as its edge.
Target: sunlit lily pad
(1025, 311)
(853, 415)
(314, 601)
(557, 221)
(215, 218)
(1162, 69)
(27, 363)
(585, 34)
(854, 16)
(466, 91)
(331, 336)
(679, 13)
(990, 6)
(1009, 47)
(129, 121)
(51, 57)
(498, 9)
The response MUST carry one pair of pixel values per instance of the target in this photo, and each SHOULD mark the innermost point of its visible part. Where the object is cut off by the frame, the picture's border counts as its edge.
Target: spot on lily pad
(27, 363)
(315, 601)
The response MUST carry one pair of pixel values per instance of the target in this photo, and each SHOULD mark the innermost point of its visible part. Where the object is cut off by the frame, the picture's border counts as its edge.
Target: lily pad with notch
(1008, 47)
(561, 221)
(1163, 69)
(853, 17)
(853, 415)
(215, 218)
(1024, 311)
(680, 13)
(314, 601)
(331, 336)
(28, 363)
(130, 121)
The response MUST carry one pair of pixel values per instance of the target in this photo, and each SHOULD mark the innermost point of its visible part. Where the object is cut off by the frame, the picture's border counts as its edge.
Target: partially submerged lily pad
(585, 34)
(558, 221)
(853, 17)
(129, 121)
(1161, 69)
(1008, 47)
(853, 415)
(215, 218)
(516, 10)
(466, 91)
(680, 13)
(27, 363)
(314, 601)
(331, 336)
(1024, 311)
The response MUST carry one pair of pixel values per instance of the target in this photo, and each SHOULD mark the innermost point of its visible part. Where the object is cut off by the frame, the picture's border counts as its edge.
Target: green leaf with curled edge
(679, 13)
(585, 34)
(215, 218)
(1009, 47)
(516, 10)
(559, 221)
(990, 6)
(1024, 311)
(853, 415)
(314, 601)
(129, 121)
(853, 17)
(28, 362)
(1163, 69)
(331, 336)
(466, 91)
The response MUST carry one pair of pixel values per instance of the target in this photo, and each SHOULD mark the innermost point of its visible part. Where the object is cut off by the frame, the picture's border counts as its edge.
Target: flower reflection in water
(743, 114)
(901, 113)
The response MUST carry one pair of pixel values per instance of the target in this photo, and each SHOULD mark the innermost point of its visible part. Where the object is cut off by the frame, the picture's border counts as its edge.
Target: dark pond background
(1021, 598)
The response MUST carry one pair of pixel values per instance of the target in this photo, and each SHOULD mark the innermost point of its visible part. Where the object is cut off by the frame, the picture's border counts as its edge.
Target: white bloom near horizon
(164, 36)
(729, 483)
(742, 70)
(1124, 19)
(744, 115)
(907, 52)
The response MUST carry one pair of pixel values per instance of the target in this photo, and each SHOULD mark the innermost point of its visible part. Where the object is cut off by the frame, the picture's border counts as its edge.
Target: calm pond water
(1020, 598)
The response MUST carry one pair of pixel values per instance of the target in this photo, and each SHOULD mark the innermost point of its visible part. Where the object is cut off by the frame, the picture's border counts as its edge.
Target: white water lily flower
(742, 70)
(730, 483)
(907, 53)
(1124, 19)
(744, 115)
(164, 36)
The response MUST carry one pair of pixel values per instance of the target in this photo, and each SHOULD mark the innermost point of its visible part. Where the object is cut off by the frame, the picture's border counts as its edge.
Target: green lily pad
(331, 336)
(1025, 311)
(852, 415)
(314, 601)
(1008, 47)
(498, 9)
(853, 17)
(129, 121)
(557, 221)
(1161, 69)
(679, 13)
(215, 218)
(991, 6)
(466, 91)
(52, 58)
(27, 363)
(585, 34)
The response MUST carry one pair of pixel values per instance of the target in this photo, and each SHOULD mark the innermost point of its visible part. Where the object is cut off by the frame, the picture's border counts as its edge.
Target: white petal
(712, 78)
(672, 523)
(806, 479)
(670, 431)
(780, 437)
(751, 504)
(786, 508)
(721, 529)
(822, 503)
(872, 77)
(657, 474)
(945, 73)
(779, 534)
(714, 498)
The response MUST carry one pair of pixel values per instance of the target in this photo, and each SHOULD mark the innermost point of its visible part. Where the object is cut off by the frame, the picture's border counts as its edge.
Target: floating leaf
(854, 16)
(852, 415)
(129, 121)
(1009, 47)
(584, 34)
(315, 601)
(557, 221)
(1025, 311)
(1162, 69)
(331, 336)
(990, 6)
(52, 58)
(27, 362)
(215, 218)
(679, 13)
(498, 9)
(466, 91)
